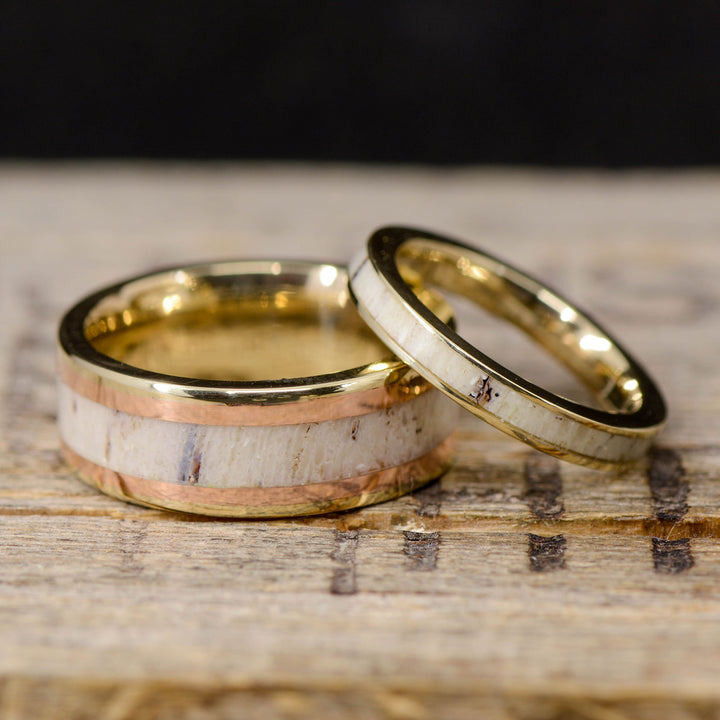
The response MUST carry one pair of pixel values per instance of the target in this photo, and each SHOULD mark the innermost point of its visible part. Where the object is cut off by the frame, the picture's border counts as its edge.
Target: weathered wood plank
(516, 587)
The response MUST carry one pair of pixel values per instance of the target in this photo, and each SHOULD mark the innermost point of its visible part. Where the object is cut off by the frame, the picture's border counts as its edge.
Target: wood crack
(669, 489)
(421, 550)
(543, 488)
(546, 553)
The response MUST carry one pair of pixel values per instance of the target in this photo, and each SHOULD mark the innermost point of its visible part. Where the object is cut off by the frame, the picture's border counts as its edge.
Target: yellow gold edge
(369, 393)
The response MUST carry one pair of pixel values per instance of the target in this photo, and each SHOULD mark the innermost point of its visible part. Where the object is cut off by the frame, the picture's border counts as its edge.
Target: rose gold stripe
(331, 407)
(268, 502)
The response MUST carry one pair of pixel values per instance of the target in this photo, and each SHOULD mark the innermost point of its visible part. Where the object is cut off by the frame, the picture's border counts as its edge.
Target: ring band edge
(312, 499)
(189, 410)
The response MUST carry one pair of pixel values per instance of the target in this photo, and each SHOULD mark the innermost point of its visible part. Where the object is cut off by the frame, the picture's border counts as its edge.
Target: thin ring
(163, 401)
(634, 410)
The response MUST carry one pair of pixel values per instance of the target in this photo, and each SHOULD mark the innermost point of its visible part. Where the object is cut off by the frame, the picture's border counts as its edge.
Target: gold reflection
(239, 328)
(595, 343)
(542, 314)
(170, 303)
(327, 275)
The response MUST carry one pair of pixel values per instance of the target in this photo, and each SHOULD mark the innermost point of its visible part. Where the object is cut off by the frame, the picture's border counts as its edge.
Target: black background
(494, 81)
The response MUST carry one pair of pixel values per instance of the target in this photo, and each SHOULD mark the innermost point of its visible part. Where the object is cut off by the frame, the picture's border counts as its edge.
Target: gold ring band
(118, 327)
(633, 409)
(335, 404)
(243, 389)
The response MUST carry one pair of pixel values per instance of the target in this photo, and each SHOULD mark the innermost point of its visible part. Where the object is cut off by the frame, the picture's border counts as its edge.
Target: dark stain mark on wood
(354, 429)
(672, 556)
(421, 550)
(430, 498)
(546, 553)
(344, 577)
(483, 390)
(191, 460)
(669, 489)
(543, 487)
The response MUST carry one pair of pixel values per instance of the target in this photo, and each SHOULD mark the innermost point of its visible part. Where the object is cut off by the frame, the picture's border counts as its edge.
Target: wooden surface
(514, 588)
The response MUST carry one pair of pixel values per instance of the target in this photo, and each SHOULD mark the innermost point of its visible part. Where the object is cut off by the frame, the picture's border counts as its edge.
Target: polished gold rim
(402, 384)
(312, 499)
(292, 292)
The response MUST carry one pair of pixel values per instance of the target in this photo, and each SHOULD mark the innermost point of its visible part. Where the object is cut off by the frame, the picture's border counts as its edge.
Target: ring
(633, 410)
(243, 389)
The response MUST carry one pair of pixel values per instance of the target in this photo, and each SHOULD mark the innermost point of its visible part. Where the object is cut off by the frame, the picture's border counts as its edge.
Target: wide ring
(633, 409)
(164, 401)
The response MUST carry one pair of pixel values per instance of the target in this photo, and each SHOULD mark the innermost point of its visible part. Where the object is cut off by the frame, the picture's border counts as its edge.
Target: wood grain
(515, 588)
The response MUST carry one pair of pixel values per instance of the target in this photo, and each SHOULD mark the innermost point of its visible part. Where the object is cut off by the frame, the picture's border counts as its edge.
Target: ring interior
(568, 334)
(272, 322)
